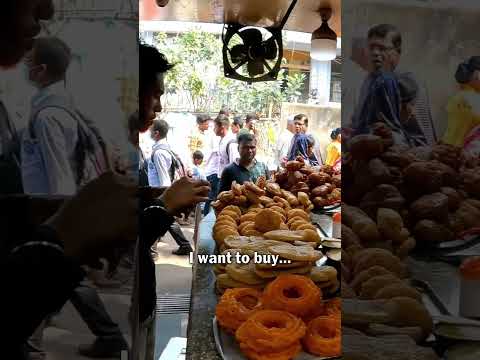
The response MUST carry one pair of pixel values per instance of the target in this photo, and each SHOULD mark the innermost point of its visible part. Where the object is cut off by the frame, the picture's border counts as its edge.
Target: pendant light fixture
(324, 39)
(162, 3)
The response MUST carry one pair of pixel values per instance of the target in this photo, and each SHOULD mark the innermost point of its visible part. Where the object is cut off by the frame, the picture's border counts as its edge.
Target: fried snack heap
(271, 335)
(324, 336)
(315, 186)
(293, 293)
(235, 306)
(273, 326)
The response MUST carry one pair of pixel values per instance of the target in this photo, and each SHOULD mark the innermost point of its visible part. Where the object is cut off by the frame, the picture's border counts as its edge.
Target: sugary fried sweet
(236, 305)
(273, 189)
(293, 293)
(249, 186)
(333, 307)
(237, 189)
(267, 220)
(324, 336)
(233, 208)
(270, 331)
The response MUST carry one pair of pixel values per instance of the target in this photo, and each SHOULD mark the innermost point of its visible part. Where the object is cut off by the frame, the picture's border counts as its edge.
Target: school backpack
(92, 156)
(176, 170)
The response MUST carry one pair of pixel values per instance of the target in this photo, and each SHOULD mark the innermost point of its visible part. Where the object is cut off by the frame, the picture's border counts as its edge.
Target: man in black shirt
(246, 168)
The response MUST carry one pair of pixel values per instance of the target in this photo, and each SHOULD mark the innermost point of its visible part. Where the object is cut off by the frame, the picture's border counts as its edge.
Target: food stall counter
(201, 341)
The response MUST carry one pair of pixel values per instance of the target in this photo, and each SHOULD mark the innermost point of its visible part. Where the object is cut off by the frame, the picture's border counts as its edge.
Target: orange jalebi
(235, 306)
(270, 332)
(295, 294)
(333, 307)
(324, 336)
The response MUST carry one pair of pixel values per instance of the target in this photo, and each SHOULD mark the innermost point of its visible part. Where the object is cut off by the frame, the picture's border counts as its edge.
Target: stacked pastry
(290, 259)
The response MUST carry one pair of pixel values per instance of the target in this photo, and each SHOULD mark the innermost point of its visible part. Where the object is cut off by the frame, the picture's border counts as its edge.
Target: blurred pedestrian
(334, 149)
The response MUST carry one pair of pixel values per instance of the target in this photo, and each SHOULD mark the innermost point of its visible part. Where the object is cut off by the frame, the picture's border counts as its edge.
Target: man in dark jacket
(183, 194)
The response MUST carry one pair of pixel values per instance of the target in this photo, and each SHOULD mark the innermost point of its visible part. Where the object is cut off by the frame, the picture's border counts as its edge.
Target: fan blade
(238, 53)
(255, 68)
(251, 36)
(242, 62)
(271, 49)
(267, 65)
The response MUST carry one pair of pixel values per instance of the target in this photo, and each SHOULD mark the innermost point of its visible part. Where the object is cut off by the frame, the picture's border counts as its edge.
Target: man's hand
(101, 218)
(184, 194)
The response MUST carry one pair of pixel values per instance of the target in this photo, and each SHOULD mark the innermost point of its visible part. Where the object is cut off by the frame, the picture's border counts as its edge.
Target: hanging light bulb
(324, 39)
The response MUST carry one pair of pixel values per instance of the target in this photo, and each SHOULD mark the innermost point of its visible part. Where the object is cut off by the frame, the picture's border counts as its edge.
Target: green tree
(295, 83)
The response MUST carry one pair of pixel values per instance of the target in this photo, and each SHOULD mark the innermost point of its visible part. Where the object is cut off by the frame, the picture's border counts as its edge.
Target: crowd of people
(224, 150)
(391, 98)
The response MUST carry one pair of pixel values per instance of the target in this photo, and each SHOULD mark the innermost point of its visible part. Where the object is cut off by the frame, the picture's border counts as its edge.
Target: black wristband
(43, 235)
(47, 233)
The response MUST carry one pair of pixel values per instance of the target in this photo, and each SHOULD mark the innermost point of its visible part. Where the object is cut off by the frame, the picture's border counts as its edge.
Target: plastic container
(337, 225)
(470, 288)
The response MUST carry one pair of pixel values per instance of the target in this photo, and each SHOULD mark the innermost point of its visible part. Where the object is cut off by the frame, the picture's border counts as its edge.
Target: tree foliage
(198, 75)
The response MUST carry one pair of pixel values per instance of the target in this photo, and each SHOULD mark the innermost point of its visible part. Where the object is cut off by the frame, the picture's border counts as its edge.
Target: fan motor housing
(254, 53)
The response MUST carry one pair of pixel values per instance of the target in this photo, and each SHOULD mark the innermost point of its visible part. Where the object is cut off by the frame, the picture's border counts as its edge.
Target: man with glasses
(380, 95)
(301, 142)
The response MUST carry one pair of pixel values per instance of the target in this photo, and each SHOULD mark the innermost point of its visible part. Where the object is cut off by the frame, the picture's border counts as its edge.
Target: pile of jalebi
(271, 335)
(295, 294)
(333, 307)
(235, 306)
(271, 326)
(324, 336)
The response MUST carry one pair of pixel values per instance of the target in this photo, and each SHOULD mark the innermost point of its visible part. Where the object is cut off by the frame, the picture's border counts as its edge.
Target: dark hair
(245, 137)
(198, 155)
(237, 120)
(250, 117)
(152, 63)
(334, 134)
(162, 127)
(222, 120)
(300, 117)
(408, 87)
(310, 140)
(54, 53)
(382, 30)
(224, 111)
(466, 69)
(202, 118)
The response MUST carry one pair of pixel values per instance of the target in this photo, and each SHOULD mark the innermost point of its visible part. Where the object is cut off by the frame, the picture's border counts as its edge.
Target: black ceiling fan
(253, 54)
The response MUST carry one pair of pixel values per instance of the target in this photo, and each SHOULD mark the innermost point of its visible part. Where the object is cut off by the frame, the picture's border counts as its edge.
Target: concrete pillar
(320, 75)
